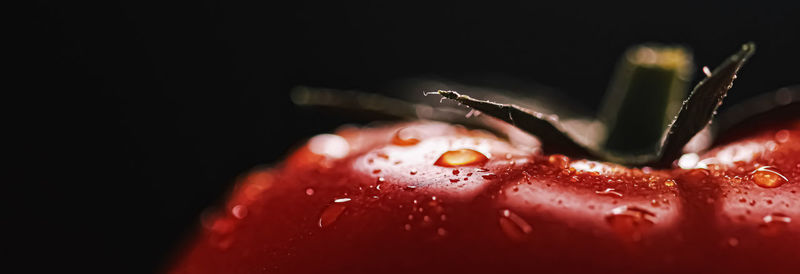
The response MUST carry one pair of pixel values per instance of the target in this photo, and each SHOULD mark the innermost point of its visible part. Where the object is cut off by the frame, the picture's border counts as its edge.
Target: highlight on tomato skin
(459, 200)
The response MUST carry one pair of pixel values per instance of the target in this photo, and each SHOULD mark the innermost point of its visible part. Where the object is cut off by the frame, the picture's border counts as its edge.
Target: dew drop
(441, 231)
(631, 222)
(461, 157)
(706, 71)
(514, 226)
(309, 191)
(774, 224)
(413, 171)
(768, 177)
(410, 188)
(406, 137)
(559, 160)
(329, 145)
(407, 227)
(669, 182)
(342, 200)
(239, 211)
(609, 192)
(330, 214)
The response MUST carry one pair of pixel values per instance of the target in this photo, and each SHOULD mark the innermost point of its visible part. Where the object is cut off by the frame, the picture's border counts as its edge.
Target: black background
(135, 116)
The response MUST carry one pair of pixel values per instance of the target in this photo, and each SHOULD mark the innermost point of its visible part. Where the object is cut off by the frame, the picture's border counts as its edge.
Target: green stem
(649, 85)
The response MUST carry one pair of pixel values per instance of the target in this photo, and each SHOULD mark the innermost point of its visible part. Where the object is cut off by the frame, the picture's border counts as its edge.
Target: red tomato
(437, 198)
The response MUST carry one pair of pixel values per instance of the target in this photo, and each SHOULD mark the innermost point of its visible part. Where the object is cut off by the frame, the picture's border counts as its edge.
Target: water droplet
(559, 160)
(329, 145)
(688, 160)
(239, 211)
(609, 192)
(669, 182)
(733, 242)
(406, 137)
(782, 136)
(407, 227)
(426, 218)
(768, 177)
(413, 171)
(330, 214)
(309, 191)
(410, 188)
(628, 221)
(380, 180)
(655, 203)
(514, 226)
(706, 71)
(443, 217)
(342, 200)
(777, 218)
(461, 157)
(441, 231)
(774, 224)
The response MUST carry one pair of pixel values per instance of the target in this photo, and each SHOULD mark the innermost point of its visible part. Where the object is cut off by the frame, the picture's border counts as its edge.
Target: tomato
(440, 198)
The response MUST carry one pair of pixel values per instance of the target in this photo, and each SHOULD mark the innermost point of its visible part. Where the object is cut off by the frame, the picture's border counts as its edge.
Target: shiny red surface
(383, 206)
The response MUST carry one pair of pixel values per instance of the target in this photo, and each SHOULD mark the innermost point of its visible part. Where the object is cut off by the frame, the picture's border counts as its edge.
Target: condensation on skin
(728, 156)
(592, 166)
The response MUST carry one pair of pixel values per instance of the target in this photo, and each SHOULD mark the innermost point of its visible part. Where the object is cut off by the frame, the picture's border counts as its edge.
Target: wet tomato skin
(444, 199)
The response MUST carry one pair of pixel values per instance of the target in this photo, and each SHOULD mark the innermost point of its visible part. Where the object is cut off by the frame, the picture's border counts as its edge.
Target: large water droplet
(461, 157)
(406, 137)
(309, 191)
(629, 221)
(513, 225)
(330, 214)
(768, 177)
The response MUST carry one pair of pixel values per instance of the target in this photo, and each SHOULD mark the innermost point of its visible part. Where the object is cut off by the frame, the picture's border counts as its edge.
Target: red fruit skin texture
(367, 201)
